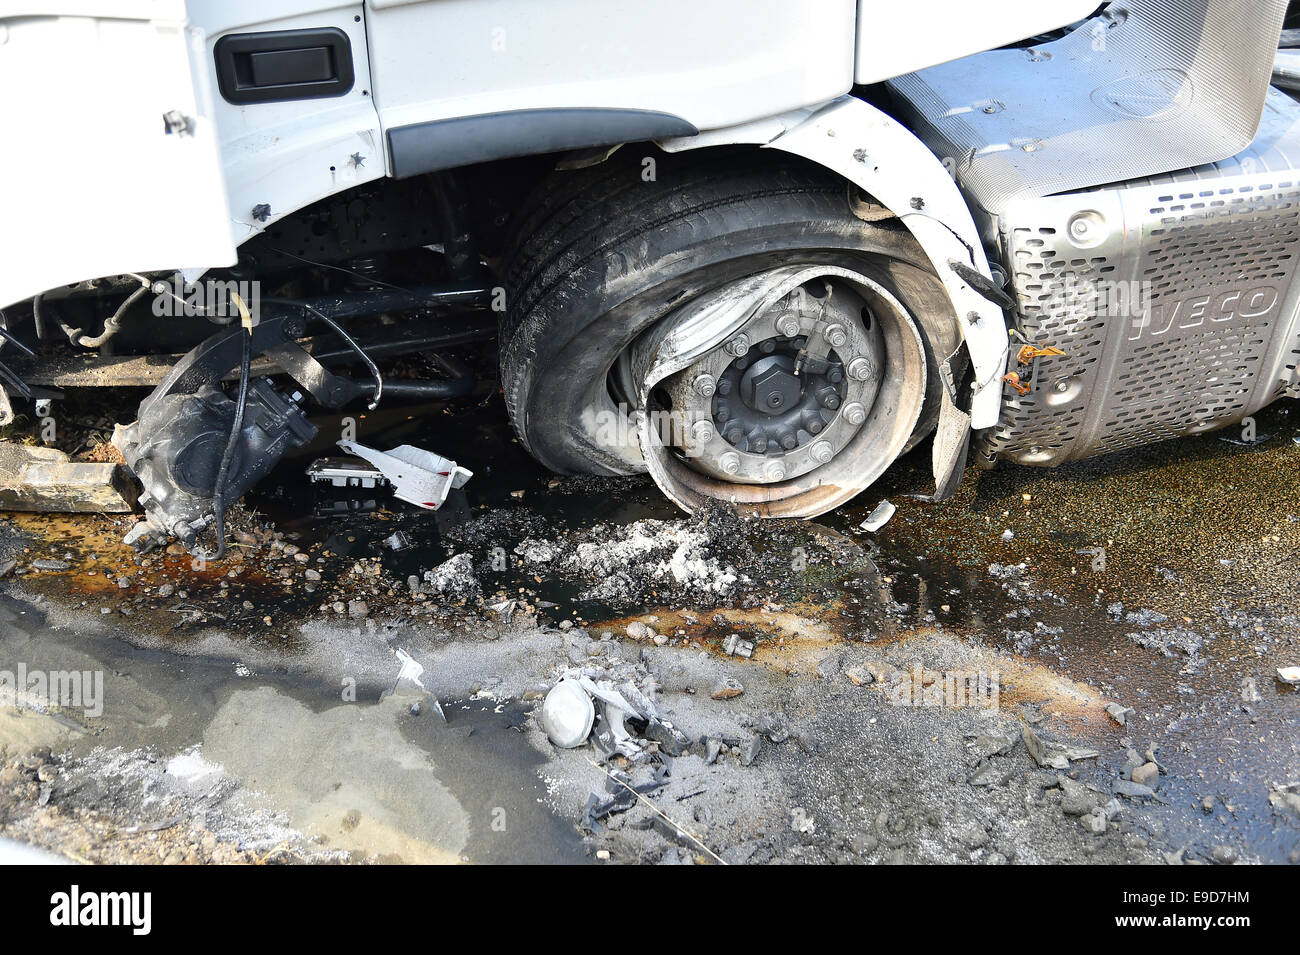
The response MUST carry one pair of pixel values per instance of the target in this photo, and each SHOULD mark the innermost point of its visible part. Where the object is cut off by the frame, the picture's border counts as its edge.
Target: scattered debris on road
(879, 517)
(1118, 713)
(418, 477)
(568, 714)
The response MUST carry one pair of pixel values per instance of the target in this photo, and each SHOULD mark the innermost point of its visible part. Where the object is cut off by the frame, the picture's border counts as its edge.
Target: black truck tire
(602, 253)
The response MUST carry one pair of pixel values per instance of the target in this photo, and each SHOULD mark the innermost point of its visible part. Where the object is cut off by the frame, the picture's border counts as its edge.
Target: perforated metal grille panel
(1174, 302)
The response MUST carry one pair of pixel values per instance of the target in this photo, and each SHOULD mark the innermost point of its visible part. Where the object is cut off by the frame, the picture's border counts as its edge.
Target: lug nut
(835, 335)
(730, 462)
(788, 326)
(860, 369)
(705, 386)
(702, 432)
(822, 452)
(738, 346)
(775, 471)
(855, 413)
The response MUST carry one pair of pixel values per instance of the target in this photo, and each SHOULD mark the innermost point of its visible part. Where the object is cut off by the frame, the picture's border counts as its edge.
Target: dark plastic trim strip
(461, 141)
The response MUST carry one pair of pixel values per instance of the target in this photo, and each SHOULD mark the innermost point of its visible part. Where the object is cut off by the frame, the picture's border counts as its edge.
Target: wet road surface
(1163, 579)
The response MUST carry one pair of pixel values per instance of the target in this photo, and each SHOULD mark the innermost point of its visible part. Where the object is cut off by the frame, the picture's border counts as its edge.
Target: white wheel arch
(877, 153)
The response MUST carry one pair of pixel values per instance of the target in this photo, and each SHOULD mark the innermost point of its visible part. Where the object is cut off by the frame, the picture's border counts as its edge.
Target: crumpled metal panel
(1173, 299)
(1146, 87)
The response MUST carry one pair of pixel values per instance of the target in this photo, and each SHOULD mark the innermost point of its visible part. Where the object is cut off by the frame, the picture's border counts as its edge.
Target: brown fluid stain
(92, 546)
(777, 634)
(1021, 680)
(793, 644)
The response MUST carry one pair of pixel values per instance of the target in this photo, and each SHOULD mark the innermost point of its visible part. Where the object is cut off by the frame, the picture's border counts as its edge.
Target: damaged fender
(865, 146)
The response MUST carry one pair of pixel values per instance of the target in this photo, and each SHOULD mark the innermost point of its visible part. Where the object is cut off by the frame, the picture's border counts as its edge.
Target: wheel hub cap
(786, 392)
(784, 402)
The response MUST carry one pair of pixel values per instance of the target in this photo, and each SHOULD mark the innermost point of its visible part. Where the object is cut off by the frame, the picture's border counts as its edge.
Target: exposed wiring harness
(237, 426)
(112, 324)
(241, 401)
(348, 340)
(160, 288)
(8, 336)
(8, 380)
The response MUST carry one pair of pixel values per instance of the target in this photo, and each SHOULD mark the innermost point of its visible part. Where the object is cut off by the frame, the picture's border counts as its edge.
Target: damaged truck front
(756, 250)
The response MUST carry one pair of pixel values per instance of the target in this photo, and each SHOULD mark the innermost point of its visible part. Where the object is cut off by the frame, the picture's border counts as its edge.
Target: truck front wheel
(741, 324)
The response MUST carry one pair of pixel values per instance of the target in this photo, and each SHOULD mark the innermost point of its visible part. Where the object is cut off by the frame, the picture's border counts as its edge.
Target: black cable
(9, 336)
(323, 265)
(219, 489)
(351, 343)
(112, 324)
(8, 379)
(37, 319)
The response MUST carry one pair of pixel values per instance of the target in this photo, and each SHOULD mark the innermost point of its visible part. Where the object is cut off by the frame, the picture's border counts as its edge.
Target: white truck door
(109, 158)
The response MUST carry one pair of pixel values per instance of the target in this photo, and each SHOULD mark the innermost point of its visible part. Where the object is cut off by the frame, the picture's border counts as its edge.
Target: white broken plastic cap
(419, 477)
(879, 517)
(567, 714)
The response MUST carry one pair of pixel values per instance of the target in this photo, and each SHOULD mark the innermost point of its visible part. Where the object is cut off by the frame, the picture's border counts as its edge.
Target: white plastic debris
(567, 714)
(879, 517)
(607, 693)
(419, 477)
(1289, 675)
(411, 672)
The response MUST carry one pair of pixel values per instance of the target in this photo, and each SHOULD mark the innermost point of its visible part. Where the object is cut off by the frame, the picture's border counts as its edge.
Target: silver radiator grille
(1173, 299)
